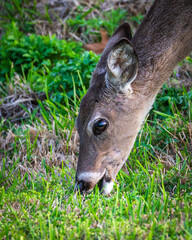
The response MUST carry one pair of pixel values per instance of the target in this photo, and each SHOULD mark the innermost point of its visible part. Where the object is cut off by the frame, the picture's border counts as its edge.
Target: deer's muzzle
(86, 181)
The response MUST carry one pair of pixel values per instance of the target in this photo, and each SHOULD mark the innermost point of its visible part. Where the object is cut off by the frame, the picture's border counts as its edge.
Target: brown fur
(163, 39)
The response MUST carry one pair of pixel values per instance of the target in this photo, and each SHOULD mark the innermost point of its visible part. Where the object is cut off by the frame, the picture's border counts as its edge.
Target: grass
(48, 209)
(140, 207)
(151, 199)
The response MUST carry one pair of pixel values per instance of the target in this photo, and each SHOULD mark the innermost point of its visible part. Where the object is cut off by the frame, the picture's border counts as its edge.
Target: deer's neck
(162, 40)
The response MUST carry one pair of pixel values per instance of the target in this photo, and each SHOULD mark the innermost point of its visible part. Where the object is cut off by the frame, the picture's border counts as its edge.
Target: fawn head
(110, 115)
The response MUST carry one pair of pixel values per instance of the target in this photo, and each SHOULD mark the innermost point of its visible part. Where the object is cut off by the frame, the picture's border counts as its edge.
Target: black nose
(80, 186)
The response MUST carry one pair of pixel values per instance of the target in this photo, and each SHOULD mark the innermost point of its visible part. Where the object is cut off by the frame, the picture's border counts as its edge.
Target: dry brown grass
(19, 92)
(32, 143)
(55, 150)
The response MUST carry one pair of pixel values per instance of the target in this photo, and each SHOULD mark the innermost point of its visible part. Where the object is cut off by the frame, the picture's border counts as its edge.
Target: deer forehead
(99, 102)
(107, 109)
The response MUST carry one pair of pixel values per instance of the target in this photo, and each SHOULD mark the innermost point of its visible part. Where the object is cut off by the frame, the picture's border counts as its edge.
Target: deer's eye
(100, 126)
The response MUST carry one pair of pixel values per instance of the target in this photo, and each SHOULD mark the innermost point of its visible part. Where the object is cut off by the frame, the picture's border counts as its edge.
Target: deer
(123, 87)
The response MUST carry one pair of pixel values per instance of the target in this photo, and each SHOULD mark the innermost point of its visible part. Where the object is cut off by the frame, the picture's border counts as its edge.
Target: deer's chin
(105, 187)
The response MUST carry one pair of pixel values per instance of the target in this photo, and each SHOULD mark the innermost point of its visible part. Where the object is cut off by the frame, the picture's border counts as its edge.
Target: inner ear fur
(122, 65)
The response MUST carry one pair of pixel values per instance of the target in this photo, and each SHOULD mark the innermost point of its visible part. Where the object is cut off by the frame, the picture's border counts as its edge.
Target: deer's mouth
(105, 183)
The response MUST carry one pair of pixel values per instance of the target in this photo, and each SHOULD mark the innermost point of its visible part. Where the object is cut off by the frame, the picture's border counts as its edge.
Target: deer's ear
(122, 65)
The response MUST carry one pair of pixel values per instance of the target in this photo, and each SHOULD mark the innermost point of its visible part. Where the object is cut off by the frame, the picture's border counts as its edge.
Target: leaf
(98, 47)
